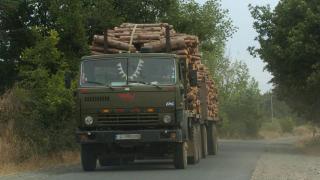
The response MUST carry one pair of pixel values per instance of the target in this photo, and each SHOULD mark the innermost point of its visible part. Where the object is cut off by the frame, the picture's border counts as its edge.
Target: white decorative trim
(135, 73)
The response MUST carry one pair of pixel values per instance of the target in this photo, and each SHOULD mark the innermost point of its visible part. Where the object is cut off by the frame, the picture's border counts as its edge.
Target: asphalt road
(236, 161)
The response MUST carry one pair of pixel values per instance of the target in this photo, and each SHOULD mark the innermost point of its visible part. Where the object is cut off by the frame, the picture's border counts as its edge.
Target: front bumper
(148, 136)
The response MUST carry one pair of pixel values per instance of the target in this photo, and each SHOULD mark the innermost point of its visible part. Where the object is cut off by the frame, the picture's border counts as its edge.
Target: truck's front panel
(128, 103)
(127, 107)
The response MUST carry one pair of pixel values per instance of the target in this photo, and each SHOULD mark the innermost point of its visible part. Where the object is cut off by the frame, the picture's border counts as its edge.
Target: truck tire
(127, 160)
(109, 161)
(88, 157)
(212, 139)
(194, 158)
(204, 141)
(181, 156)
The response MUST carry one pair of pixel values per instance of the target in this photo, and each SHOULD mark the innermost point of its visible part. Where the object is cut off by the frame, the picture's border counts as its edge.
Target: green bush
(273, 126)
(46, 123)
(287, 124)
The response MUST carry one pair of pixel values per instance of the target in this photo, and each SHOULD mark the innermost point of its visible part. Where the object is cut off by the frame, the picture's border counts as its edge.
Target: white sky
(237, 46)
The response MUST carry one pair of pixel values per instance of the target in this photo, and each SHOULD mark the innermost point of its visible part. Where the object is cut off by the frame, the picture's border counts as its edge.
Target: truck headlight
(167, 119)
(88, 120)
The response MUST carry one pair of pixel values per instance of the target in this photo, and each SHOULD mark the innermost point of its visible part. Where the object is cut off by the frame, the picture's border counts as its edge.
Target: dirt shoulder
(284, 160)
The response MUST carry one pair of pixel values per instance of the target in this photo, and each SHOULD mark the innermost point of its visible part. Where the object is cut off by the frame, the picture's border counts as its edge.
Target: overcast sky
(244, 37)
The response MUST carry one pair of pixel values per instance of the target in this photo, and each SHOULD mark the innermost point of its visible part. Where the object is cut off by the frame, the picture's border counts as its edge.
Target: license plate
(128, 136)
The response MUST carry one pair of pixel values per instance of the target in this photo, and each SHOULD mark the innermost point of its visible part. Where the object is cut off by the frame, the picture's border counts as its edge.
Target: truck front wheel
(180, 156)
(109, 161)
(88, 157)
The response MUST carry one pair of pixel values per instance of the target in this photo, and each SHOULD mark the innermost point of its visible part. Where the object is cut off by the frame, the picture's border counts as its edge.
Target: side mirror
(181, 89)
(193, 78)
(67, 80)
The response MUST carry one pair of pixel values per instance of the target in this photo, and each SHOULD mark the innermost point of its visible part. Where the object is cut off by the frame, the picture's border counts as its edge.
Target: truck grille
(127, 119)
(96, 98)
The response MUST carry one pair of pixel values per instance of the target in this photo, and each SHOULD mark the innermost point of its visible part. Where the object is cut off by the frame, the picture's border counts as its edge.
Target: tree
(239, 97)
(14, 37)
(48, 106)
(144, 11)
(290, 45)
(18, 17)
(100, 15)
(208, 21)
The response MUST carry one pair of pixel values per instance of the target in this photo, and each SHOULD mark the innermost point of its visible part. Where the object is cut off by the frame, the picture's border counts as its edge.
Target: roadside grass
(284, 127)
(16, 155)
(309, 139)
(13, 161)
(9, 164)
(309, 145)
(270, 130)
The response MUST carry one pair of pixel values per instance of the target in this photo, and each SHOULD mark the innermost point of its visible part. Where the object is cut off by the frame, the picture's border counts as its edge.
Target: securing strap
(131, 38)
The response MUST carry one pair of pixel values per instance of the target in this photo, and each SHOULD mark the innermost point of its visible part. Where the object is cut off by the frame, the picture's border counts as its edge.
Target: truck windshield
(133, 71)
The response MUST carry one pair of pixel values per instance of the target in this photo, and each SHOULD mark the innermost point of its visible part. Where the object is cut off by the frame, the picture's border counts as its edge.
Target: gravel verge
(283, 161)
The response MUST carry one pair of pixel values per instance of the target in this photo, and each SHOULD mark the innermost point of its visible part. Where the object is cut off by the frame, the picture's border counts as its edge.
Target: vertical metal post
(105, 43)
(271, 104)
(168, 40)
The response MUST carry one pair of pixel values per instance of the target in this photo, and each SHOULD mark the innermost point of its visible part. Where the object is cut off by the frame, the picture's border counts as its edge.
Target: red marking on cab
(119, 110)
(83, 91)
(127, 97)
(135, 110)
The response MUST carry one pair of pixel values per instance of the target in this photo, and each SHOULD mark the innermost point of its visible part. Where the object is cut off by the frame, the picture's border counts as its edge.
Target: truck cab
(132, 106)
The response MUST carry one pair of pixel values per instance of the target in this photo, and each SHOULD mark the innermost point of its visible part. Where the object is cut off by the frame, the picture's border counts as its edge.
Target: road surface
(236, 161)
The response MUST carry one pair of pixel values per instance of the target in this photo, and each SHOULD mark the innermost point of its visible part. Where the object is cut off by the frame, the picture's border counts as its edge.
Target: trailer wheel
(199, 141)
(180, 156)
(88, 157)
(204, 141)
(194, 158)
(212, 139)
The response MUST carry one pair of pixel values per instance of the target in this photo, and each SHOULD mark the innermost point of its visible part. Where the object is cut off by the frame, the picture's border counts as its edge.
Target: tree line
(40, 40)
(290, 45)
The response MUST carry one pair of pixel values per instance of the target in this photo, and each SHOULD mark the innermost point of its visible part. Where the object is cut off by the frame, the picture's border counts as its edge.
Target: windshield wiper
(95, 82)
(142, 82)
(139, 82)
(100, 83)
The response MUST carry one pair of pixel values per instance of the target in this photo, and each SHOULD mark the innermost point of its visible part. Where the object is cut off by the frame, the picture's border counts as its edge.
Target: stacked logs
(130, 37)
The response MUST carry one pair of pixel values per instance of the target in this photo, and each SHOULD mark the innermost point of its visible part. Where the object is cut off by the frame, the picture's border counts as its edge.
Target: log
(181, 52)
(138, 29)
(101, 49)
(144, 25)
(113, 43)
(96, 53)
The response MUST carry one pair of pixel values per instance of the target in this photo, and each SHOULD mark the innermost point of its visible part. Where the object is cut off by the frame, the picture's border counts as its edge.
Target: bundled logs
(158, 38)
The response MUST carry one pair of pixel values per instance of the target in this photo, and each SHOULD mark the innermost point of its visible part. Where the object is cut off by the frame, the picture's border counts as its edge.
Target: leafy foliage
(40, 40)
(239, 97)
(48, 105)
(77, 20)
(290, 45)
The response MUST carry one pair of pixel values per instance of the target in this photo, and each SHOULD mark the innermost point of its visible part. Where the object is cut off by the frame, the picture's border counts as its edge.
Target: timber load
(162, 38)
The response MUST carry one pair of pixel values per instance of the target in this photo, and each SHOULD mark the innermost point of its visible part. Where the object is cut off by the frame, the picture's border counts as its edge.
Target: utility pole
(271, 107)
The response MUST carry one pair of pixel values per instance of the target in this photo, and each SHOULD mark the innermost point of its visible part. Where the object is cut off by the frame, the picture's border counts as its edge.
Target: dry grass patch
(309, 141)
(269, 134)
(304, 131)
(309, 145)
(16, 155)
(37, 163)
